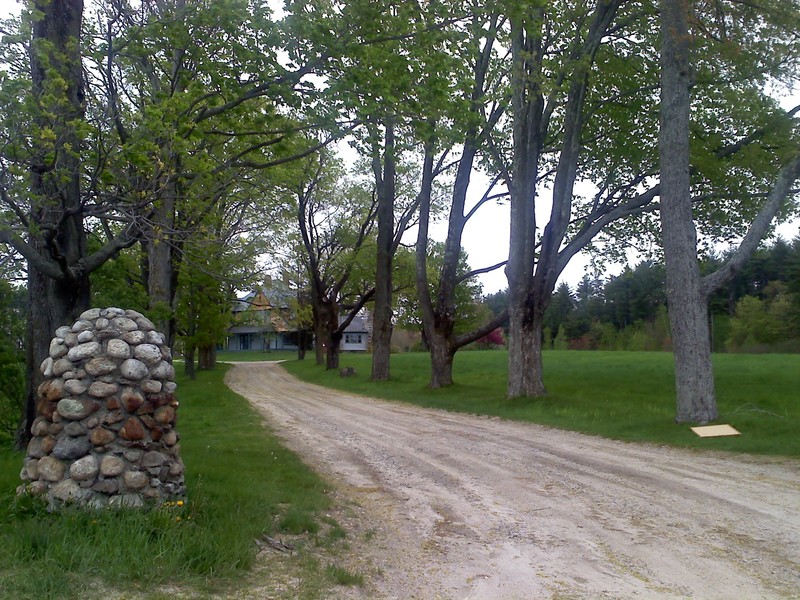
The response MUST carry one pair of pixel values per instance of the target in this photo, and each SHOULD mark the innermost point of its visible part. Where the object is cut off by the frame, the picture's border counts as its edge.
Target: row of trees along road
(183, 129)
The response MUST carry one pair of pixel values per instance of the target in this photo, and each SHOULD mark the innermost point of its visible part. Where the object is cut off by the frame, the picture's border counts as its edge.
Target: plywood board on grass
(715, 430)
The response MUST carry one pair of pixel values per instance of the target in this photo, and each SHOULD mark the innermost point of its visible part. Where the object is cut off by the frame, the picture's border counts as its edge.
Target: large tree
(471, 115)
(687, 292)
(44, 146)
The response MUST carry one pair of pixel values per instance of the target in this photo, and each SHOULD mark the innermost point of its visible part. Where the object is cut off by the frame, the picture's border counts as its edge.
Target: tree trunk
(524, 372)
(55, 299)
(188, 366)
(51, 304)
(160, 265)
(525, 351)
(334, 351)
(442, 355)
(207, 357)
(686, 299)
(382, 315)
(302, 336)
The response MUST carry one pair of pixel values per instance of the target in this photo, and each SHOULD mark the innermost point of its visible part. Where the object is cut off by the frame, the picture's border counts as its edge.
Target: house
(357, 335)
(263, 320)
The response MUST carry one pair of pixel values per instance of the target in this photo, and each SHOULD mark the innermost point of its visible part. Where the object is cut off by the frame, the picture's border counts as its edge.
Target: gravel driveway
(458, 506)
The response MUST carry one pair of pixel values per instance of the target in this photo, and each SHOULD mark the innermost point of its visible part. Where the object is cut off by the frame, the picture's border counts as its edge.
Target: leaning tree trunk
(686, 299)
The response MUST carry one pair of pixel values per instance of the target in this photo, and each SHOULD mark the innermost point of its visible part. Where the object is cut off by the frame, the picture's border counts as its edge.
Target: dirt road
(457, 506)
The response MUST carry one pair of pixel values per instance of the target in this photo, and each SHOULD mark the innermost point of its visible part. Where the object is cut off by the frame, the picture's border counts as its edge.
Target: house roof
(356, 325)
(251, 328)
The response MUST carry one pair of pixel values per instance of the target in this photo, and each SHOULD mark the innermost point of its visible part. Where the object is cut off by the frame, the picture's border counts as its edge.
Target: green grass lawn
(622, 395)
(242, 484)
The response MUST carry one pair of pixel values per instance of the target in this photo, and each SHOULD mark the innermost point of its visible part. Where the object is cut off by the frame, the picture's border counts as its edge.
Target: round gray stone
(133, 369)
(144, 323)
(169, 387)
(61, 366)
(135, 480)
(90, 315)
(31, 469)
(75, 409)
(155, 338)
(153, 459)
(112, 312)
(162, 370)
(100, 389)
(124, 324)
(40, 426)
(75, 387)
(101, 323)
(74, 429)
(82, 325)
(67, 491)
(106, 486)
(151, 386)
(111, 466)
(148, 354)
(57, 348)
(62, 331)
(46, 368)
(84, 469)
(68, 448)
(134, 337)
(117, 348)
(85, 336)
(84, 351)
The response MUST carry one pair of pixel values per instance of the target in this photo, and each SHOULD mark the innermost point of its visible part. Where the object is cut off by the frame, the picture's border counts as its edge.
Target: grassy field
(242, 485)
(622, 395)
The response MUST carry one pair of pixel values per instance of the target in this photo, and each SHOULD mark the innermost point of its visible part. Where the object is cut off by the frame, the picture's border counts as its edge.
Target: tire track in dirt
(459, 506)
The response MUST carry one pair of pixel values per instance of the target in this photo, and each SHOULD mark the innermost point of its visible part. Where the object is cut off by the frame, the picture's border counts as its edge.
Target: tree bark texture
(687, 302)
(527, 105)
(58, 282)
(382, 315)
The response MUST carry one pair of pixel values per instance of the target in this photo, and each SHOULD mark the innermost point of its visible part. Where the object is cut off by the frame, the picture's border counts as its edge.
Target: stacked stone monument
(105, 431)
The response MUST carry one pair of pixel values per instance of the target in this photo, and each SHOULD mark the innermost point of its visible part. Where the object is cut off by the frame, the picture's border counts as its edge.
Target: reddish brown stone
(112, 403)
(145, 409)
(148, 421)
(161, 399)
(156, 433)
(46, 409)
(53, 389)
(101, 437)
(131, 399)
(48, 443)
(165, 415)
(132, 430)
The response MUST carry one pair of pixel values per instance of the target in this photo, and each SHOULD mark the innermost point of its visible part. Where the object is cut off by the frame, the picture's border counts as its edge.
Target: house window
(352, 338)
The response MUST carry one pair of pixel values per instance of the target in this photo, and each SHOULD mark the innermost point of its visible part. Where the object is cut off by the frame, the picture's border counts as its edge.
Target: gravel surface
(445, 505)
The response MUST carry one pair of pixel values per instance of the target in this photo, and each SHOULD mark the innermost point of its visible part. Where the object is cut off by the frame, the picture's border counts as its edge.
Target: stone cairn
(105, 434)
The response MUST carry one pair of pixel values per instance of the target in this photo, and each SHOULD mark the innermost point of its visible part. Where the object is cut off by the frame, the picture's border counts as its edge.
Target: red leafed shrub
(492, 339)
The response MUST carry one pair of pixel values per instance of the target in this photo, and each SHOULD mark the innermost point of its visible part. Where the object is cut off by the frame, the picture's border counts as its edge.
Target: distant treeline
(758, 311)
